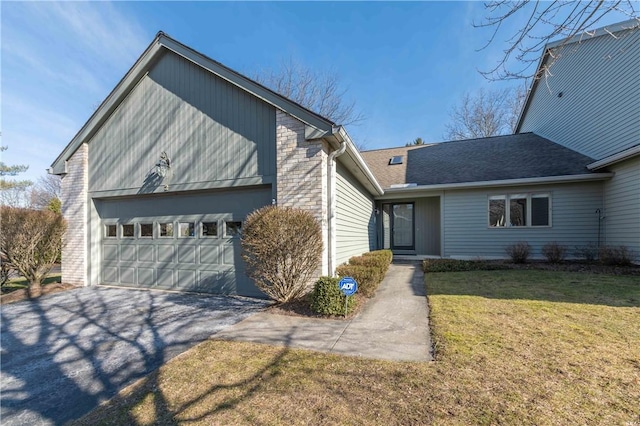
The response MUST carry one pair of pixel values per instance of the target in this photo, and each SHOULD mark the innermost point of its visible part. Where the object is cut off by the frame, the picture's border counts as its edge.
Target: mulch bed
(300, 308)
(22, 294)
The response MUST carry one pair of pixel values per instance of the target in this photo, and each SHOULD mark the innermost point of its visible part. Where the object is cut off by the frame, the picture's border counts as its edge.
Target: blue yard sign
(348, 286)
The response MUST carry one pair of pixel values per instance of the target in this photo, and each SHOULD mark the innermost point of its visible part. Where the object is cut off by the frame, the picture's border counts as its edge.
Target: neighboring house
(570, 174)
(590, 103)
(156, 185)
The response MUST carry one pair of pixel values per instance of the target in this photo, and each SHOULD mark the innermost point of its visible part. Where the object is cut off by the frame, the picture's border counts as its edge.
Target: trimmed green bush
(385, 254)
(367, 277)
(368, 270)
(453, 265)
(327, 299)
(377, 262)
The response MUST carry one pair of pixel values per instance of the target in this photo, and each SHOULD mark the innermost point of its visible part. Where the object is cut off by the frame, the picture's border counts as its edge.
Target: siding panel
(428, 226)
(622, 205)
(355, 221)
(573, 216)
(212, 131)
(599, 111)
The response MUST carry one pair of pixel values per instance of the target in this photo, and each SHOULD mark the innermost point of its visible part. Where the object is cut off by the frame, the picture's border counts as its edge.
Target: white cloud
(58, 61)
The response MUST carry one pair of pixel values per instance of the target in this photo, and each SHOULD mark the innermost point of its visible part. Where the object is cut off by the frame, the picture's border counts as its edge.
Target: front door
(400, 232)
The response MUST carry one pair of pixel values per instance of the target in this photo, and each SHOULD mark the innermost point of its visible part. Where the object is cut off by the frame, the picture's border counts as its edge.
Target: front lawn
(513, 347)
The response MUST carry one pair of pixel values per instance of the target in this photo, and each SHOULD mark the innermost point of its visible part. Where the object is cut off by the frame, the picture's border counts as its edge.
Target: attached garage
(179, 242)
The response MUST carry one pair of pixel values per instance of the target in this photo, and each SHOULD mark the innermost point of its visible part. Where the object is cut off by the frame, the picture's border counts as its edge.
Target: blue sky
(404, 64)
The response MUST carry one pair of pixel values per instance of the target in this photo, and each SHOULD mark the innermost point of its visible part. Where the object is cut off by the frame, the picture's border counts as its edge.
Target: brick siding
(302, 173)
(74, 210)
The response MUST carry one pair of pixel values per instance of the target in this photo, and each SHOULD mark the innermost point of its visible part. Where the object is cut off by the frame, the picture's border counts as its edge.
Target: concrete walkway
(394, 325)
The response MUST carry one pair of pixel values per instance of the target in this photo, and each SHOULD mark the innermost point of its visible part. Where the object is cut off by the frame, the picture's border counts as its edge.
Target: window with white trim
(186, 229)
(110, 230)
(166, 230)
(233, 229)
(209, 229)
(127, 230)
(519, 210)
(146, 230)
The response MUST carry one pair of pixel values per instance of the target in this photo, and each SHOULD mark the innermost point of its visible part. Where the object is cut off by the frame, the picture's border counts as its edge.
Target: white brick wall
(74, 210)
(302, 173)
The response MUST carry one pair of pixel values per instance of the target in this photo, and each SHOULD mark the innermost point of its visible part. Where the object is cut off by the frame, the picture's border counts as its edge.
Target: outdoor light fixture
(163, 165)
(163, 169)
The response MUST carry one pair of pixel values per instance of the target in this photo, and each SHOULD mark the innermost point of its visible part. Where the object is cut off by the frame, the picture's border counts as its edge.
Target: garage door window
(166, 230)
(186, 229)
(128, 231)
(146, 230)
(209, 229)
(110, 231)
(233, 229)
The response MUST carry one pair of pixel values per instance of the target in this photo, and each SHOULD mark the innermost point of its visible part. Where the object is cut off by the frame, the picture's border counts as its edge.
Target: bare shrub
(616, 255)
(518, 252)
(282, 247)
(31, 241)
(554, 252)
(588, 252)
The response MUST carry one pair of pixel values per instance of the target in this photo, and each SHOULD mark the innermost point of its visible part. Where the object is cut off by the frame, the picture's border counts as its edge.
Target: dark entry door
(402, 229)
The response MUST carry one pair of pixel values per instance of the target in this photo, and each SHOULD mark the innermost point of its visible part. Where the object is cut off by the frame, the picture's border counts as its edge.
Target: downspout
(331, 200)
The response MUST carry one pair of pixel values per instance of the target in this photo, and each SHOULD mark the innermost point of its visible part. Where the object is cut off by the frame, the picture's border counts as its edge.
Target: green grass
(20, 283)
(513, 347)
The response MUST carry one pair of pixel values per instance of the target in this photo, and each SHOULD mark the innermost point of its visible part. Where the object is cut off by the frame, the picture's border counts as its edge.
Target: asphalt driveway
(63, 354)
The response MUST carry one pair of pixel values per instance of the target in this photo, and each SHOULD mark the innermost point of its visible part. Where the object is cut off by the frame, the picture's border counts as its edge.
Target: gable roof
(521, 156)
(317, 126)
(608, 31)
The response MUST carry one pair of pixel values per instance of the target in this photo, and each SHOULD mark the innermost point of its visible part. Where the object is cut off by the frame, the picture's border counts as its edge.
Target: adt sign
(348, 286)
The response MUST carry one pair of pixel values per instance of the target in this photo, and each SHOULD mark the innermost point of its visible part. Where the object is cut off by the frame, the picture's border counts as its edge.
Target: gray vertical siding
(599, 111)
(427, 224)
(355, 219)
(212, 131)
(622, 205)
(573, 216)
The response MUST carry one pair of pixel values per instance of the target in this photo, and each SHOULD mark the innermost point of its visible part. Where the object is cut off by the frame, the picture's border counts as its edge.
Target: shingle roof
(520, 156)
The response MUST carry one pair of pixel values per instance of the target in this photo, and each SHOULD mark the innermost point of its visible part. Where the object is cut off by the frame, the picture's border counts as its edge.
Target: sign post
(348, 286)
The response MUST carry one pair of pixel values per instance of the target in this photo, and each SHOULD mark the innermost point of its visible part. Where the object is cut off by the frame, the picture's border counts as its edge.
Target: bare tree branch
(544, 22)
(45, 191)
(485, 114)
(318, 91)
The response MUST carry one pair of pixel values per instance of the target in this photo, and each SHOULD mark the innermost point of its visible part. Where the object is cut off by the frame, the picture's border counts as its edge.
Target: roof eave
(317, 124)
(391, 192)
(110, 103)
(615, 158)
(267, 95)
(369, 181)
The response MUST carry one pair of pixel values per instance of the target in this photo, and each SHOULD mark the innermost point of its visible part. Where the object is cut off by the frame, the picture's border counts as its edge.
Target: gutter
(331, 199)
(390, 192)
(615, 158)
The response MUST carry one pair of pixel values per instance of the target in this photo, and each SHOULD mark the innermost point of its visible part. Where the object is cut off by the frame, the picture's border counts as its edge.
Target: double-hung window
(519, 210)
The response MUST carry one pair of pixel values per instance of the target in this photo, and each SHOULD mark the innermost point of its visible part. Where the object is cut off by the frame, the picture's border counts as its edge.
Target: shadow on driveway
(64, 354)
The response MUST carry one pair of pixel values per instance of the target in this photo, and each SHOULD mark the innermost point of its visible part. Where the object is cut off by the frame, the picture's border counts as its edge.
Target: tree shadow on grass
(159, 397)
